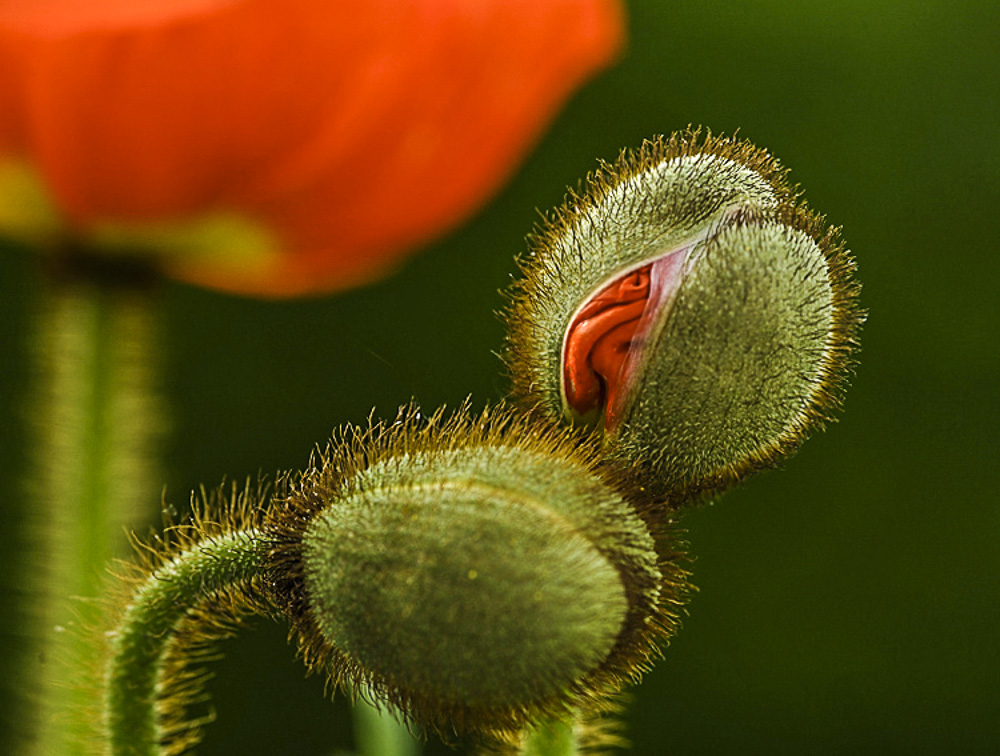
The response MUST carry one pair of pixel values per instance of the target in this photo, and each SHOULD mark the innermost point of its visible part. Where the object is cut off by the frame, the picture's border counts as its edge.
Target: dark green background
(848, 604)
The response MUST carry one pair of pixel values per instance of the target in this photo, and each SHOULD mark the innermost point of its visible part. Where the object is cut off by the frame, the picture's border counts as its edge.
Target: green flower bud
(477, 573)
(688, 310)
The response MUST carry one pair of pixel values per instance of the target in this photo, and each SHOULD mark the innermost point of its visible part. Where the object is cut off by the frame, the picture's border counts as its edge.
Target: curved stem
(219, 566)
(97, 419)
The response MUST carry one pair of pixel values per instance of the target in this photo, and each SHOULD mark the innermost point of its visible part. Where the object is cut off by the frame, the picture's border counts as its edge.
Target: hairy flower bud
(689, 310)
(478, 573)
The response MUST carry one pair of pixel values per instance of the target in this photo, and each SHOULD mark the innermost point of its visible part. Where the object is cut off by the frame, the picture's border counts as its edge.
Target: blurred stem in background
(95, 475)
(98, 420)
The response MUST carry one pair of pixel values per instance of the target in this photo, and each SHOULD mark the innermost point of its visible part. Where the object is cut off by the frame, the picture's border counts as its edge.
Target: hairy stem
(216, 567)
(97, 417)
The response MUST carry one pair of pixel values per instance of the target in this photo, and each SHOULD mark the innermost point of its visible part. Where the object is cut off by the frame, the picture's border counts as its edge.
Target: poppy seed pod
(478, 573)
(685, 306)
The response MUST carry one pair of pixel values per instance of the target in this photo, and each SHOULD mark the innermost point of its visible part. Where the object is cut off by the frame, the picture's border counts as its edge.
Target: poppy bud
(478, 573)
(685, 307)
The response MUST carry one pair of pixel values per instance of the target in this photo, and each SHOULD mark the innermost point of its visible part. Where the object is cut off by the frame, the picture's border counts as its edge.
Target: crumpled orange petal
(598, 343)
(349, 132)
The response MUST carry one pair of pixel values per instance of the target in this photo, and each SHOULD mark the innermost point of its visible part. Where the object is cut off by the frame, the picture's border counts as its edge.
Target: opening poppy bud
(479, 574)
(689, 310)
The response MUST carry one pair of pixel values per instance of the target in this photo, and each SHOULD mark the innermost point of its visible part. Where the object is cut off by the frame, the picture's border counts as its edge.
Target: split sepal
(744, 332)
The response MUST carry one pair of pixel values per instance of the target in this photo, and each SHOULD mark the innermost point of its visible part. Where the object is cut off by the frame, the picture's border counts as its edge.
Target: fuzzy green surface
(735, 364)
(744, 359)
(475, 578)
(520, 522)
(668, 194)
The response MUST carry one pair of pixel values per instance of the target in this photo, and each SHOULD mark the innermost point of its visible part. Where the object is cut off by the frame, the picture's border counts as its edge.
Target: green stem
(554, 738)
(223, 566)
(97, 418)
(378, 733)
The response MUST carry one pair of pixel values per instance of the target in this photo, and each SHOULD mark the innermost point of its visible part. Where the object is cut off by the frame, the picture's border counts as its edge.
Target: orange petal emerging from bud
(276, 148)
(599, 339)
(688, 308)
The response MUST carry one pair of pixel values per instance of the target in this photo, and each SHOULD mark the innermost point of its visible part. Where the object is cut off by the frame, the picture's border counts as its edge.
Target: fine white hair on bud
(689, 309)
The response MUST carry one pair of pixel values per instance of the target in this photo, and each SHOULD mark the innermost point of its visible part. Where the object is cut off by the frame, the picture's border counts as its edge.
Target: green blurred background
(847, 604)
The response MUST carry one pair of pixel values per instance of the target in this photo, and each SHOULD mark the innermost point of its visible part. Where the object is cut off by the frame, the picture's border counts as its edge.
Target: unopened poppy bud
(689, 310)
(479, 574)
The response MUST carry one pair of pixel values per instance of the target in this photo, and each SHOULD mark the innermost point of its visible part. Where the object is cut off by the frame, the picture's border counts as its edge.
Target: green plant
(683, 322)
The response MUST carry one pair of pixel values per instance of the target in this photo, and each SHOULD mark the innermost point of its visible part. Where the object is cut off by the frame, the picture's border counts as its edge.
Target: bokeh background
(849, 603)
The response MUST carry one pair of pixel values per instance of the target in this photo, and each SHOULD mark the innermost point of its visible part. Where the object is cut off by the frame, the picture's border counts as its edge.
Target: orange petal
(598, 342)
(351, 132)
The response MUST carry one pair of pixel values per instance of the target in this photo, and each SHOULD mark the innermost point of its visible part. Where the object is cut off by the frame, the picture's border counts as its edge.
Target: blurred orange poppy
(276, 147)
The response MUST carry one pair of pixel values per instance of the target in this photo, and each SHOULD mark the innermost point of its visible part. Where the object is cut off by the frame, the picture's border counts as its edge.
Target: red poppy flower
(276, 147)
